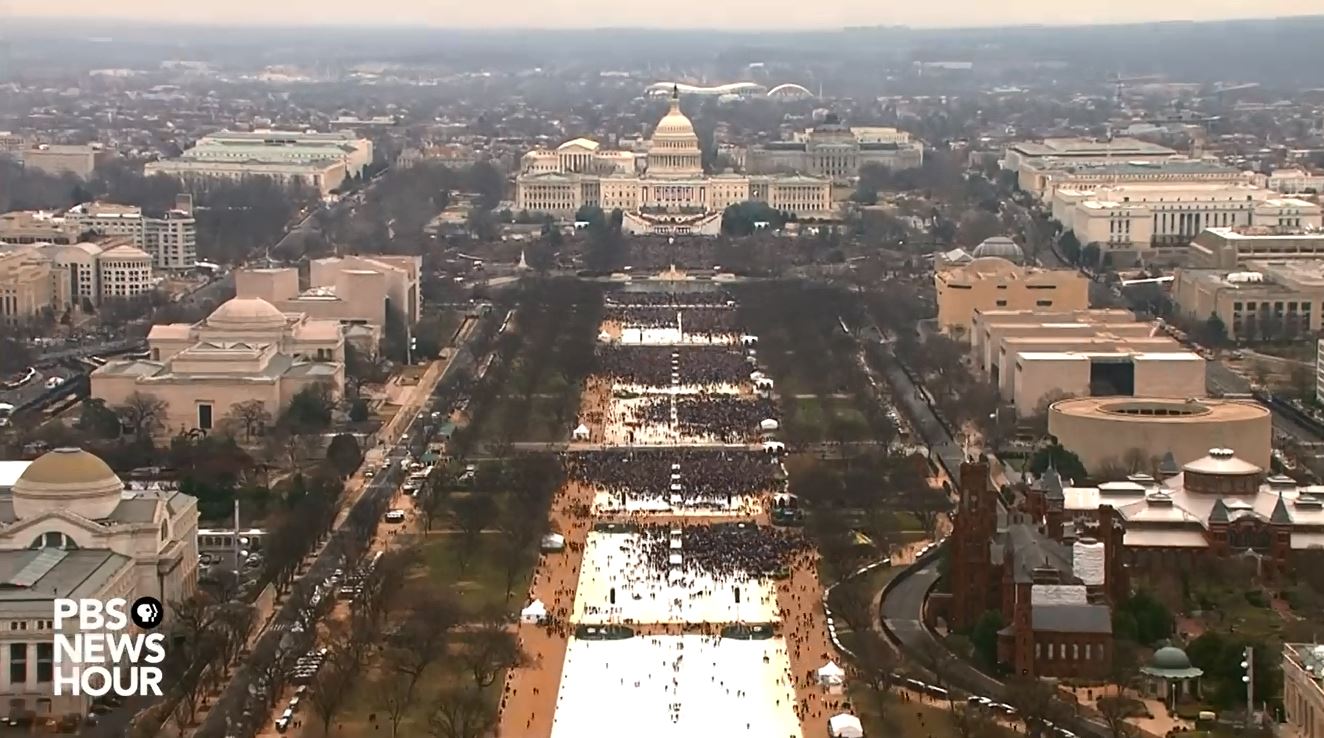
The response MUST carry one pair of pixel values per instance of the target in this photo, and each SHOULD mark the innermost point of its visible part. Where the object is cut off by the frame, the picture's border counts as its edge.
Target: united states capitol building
(664, 191)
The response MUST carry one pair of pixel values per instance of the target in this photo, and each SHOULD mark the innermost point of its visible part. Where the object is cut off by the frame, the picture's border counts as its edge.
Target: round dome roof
(674, 123)
(246, 313)
(1002, 247)
(67, 478)
(1222, 461)
(1170, 657)
(991, 265)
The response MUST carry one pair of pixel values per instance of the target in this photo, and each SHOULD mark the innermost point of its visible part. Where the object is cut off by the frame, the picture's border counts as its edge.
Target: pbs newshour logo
(95, 656)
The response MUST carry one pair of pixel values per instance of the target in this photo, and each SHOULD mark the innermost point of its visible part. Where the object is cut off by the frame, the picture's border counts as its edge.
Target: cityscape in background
(946, 382)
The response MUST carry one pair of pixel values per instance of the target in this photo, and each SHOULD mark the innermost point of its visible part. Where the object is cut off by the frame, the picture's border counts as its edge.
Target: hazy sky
(667, 13)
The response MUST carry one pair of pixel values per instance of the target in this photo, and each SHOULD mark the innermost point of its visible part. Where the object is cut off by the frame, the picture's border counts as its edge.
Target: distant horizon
(736, 17)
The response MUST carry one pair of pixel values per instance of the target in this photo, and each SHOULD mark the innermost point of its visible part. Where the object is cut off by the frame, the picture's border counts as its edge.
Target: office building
(1293, 182)
(993, 283)
(1134, 219)
(29, 227)
(1261, 300)
(171, 240)
(321, 161)
(320, 175)
(1082, 150)
(1226, 248)
(1042, 177)
(60, 159)
(1107, 371)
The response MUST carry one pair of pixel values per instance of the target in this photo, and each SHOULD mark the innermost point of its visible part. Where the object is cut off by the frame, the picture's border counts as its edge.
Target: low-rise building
(29, 283)
(989, 326)
(29, 227)
(57, 159)
(1293, 182)
(1303, 689)
(1263, 300)
(1052, 584)
(246, 350)
(72, 529)
(1226, 248)
(1043, 375)
(293, 147)
(1138, 218)
(1217, 505)
(993, 283)
(368, 291)
(832, 149)
(1082, 150)
(322, 175)
(1042, 177)
(1118, 431)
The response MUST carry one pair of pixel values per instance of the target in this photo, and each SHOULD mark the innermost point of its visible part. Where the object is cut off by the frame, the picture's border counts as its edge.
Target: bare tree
(144, 413)
(423, 637)
(1036, 702)
(461, 713)
(251, 416)
(1115, 711)
(394, 696)
(875, 661)
(331, 689)
(491, 650)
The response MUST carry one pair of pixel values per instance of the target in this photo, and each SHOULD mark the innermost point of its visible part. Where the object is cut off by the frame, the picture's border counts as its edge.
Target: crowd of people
(691, 298)
(652, 365)
(705, 474)
(713, 321)
(737, 550)
(723, 417)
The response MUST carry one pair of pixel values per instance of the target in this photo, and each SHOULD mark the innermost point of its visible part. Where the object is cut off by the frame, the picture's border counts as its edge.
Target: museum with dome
(660, 188)
(247, 349)
(70, 528)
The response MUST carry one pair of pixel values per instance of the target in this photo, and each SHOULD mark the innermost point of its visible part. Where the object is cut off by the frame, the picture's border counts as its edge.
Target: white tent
(768, 424)
(552, 542)
(749, 340)
(534, 613)
(763, 383)
(830, 673)
(756, 376)
(580, 433)
(604, 337)
(845, 726)
(773, 447)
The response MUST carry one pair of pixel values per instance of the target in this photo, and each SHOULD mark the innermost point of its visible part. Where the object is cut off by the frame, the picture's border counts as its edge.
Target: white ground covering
(682, 389)
(676, 687)
(623, 418)
(634, 336)
(645, 595)
(741, 505)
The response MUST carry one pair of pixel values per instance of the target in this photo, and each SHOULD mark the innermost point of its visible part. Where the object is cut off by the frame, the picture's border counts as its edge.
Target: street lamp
(1248, 664)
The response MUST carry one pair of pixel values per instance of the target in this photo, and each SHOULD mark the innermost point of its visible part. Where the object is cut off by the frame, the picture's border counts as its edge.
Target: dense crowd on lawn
(705, 474)
(652, 365)
(699, 320)
(725, 417)
(706, 297)
(725, 549)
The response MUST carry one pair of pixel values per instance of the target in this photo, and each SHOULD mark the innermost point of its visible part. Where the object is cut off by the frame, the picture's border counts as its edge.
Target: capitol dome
(1002, 247)
(246, 313)
(674, 123)
(70, 479)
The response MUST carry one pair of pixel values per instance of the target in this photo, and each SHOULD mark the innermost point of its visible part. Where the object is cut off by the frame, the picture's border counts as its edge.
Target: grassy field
(537, 423)
(918, 719)
(811, 419)
(480, 587)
